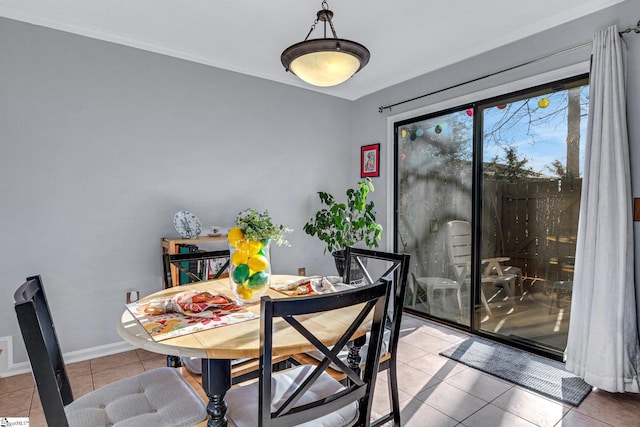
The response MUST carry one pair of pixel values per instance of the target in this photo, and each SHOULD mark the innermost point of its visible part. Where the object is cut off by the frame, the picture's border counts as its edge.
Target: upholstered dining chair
(159, 397)
(306, 395)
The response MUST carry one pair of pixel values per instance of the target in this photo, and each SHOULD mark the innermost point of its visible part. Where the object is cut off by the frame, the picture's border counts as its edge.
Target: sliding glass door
(434, 182)
(487, 204)
(533, 151)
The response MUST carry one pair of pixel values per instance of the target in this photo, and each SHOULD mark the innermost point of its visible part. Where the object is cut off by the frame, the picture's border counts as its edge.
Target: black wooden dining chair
(394, 267)
(370, 264)
(195, 266)
(159, 397)
(199, 266)
(306, 393)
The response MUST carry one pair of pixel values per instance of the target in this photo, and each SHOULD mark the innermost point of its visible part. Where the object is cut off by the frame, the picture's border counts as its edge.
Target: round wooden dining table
(219, 346)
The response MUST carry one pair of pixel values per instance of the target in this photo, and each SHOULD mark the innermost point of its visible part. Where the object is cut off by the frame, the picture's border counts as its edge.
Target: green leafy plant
(259, 226)
(344, 224)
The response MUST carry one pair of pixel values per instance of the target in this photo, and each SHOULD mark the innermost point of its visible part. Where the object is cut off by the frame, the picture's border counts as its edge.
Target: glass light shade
(325, 68)
(325, 62)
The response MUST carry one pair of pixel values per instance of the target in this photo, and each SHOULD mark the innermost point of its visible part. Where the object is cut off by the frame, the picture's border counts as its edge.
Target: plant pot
(250, 270)
(357, 275)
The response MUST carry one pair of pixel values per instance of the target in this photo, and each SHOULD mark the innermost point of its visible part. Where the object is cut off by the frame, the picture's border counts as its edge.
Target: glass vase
(250, 270)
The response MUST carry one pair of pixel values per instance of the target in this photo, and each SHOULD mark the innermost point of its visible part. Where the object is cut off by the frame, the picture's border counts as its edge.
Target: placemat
(313, 285)
(169, 325)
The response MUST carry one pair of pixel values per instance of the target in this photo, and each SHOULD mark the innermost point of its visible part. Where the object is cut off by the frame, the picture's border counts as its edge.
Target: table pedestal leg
(216, 380)
(353, 358)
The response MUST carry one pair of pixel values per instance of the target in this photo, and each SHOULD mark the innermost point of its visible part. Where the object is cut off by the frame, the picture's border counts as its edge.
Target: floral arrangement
(250, 272)
(259, 226)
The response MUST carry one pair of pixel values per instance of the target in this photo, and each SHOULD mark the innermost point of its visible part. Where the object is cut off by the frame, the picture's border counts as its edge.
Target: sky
(550, 134)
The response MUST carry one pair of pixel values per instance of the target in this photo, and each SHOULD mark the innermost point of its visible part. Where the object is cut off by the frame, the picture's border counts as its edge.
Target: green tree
(510, 168)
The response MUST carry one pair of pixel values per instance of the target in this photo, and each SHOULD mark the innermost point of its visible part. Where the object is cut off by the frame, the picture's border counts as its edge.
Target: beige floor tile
(413, 381)
(576, 419)
(16, 382)
(428, 342)
(79, 368)
(154, 362)
(415, 413)
(483, 386)
(107, 376)
(444, 333)
(409, 321)
(492, 416)
(408, 352)
(438, 366)
(81, 384)
(113, 361)
(616, 409)
(530, 406)
(451, 401)
(381, 401)
(144, 354)
(37, 419)
(17, 403)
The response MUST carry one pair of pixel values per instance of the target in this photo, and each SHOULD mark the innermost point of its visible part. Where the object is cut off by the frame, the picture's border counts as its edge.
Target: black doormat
(533, 372)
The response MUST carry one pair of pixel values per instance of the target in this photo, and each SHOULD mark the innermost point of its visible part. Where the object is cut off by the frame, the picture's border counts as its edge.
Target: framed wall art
(370, 160)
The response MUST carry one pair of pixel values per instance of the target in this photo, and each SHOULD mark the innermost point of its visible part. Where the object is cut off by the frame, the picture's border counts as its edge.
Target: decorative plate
(187, 224)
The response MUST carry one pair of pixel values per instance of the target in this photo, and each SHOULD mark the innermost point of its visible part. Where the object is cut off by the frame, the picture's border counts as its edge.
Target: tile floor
(435, 391)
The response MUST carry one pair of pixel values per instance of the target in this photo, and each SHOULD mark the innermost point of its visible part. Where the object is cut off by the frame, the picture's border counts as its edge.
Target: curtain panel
(602, 346)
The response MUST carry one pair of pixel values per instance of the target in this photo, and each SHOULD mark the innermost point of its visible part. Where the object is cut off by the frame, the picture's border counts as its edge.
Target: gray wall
(101, 144)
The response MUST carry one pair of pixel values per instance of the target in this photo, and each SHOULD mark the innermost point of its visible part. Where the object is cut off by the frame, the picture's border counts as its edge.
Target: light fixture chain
(313, 27)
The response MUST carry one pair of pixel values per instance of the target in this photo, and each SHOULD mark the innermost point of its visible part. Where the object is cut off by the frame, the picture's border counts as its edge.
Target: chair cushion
(243, 404)
(159, 397)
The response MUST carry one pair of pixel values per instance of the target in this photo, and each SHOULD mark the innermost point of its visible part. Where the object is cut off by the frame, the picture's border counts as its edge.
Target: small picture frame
(370, 160)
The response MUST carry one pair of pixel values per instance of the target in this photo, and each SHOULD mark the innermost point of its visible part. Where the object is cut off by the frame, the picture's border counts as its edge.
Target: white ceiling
(407, 38)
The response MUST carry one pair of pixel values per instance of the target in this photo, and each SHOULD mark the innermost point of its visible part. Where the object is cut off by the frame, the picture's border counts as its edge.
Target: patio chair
(459, 250)
(159, 397)
(306, 394)
(432, 284)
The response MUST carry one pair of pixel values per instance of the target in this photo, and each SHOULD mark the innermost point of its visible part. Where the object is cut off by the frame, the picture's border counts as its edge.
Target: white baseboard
(8, 368)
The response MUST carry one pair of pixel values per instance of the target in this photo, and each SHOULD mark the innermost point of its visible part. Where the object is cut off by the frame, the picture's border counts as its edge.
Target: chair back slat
(43, 349)
(375, 298)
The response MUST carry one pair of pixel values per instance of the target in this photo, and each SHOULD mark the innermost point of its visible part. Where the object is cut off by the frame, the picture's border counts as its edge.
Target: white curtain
(602, 347)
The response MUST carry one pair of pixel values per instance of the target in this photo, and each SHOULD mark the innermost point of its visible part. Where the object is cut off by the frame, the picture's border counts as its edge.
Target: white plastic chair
(459, 249)
(432, 284)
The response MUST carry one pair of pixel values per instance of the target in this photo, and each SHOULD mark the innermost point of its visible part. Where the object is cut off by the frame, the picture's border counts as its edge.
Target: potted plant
(344, 224)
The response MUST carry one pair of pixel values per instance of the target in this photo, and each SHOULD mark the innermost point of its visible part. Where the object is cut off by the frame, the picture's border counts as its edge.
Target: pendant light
(326, 61)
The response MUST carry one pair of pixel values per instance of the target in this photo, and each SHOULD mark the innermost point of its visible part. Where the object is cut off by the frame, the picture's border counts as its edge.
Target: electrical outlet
(302, 271)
